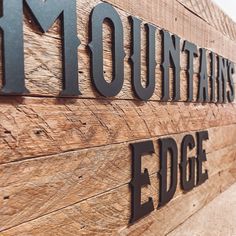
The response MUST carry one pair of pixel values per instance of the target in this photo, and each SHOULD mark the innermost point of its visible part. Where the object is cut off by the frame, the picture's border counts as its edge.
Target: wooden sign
(117, 117)
(45, 14)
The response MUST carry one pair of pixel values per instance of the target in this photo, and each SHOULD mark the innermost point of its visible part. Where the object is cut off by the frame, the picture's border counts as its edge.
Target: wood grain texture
(35, 127)
(65, 164)
(43, 64)
(43, 185)
(213, 15)
(174, 17)
(182, 207)
(109, 212)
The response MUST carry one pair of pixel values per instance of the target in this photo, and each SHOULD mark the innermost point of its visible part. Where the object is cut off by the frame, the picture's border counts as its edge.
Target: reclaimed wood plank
(32, 127)
(43, 185)
(181, 208)
(174, 17)
(213, 15)
(109, 213)
(43, 64)
(65, 164)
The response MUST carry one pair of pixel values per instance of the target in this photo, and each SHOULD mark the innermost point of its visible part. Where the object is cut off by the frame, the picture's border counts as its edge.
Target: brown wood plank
(34, 127)
(182, 207)
(43, 51)
(65, 164)
(47, 184)
(109, 212)
(213, 15)
(174, 17)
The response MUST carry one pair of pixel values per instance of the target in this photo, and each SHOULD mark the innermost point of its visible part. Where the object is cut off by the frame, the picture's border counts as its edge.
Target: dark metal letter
(141, 92)
(139, 180)
(187, 184)
(213, 77)
(222, 79)
(100, 13)
(201, 157)
(203, 83)
(168, 145)
(191, 49)
(11, 24)
(171, 53)
(46, 13)
(231, 71)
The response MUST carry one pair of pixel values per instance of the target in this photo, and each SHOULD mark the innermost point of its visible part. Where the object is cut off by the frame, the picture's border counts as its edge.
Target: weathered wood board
(66, 163)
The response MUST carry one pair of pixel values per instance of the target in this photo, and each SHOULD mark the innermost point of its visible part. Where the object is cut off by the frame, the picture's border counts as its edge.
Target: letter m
(45, 13)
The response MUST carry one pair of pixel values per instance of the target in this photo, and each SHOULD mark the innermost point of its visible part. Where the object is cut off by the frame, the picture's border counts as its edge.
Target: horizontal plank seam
(95, 196)
(181, 193)
(193, 12)
(40, 157)
(228, 21)
(159, 27)
(21, 97)
(85, 199)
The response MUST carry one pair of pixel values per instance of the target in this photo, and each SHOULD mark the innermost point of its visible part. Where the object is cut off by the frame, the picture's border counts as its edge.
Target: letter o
(100, 13)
